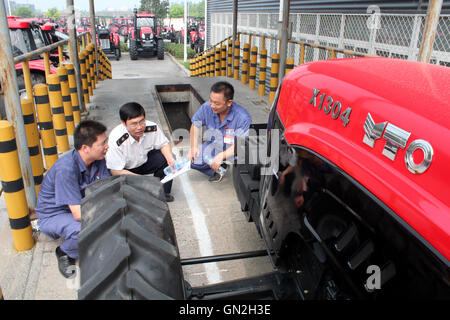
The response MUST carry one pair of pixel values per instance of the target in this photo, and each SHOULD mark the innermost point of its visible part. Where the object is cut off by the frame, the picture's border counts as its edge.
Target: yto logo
(397, 138)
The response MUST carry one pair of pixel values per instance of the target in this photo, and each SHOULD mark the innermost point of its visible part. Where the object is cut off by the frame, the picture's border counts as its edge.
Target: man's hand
(194, 152)
(217, 161)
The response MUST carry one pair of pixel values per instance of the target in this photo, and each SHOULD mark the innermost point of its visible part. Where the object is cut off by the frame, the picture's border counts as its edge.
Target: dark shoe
(215, 178)
(66, 264)
(169, 198)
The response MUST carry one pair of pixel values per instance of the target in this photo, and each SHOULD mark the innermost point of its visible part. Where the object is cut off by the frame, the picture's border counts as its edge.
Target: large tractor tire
(127, 244)
(133, 49)
(160, 49)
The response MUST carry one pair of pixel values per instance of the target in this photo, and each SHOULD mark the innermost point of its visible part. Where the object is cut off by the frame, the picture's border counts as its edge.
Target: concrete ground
(206, 216)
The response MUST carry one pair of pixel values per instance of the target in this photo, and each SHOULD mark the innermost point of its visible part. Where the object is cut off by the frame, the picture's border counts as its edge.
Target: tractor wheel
(201, 45)
(118, 54)
(127, 244)
(133, 50)
(160, 49)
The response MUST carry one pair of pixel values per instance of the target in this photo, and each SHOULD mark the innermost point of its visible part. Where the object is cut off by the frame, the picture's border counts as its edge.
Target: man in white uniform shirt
(138, 146)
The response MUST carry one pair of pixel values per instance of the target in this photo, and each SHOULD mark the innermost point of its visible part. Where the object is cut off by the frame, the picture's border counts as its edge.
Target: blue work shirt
(236, 123)
(65, 182)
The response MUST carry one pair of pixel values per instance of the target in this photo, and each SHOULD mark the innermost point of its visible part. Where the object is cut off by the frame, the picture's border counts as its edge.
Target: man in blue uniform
(58, 204)
(223, 119)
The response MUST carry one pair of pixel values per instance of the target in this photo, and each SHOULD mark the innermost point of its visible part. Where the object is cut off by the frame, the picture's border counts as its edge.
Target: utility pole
(235, 19)
(284, 33)
(431, 23)
(13, 107)
(185, 30)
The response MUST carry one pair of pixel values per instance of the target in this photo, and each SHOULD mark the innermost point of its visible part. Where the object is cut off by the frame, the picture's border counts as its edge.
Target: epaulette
(122, 139)
(151, 128)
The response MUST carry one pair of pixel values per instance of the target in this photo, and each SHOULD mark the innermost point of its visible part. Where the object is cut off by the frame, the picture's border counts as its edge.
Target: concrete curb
(183, 69)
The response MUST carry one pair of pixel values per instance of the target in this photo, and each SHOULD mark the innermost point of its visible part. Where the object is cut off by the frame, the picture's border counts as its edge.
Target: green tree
(52, 13)
(24, 12)
(159, 7)
(176, 11)
(197, 9)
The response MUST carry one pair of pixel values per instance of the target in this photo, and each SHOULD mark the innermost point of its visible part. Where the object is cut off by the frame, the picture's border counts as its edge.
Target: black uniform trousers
(155, 164)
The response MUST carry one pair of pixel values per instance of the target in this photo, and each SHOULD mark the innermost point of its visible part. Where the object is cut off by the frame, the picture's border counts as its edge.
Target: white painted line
(201, 230)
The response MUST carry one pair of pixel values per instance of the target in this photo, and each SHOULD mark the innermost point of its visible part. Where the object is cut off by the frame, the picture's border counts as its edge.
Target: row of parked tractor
(140, 32)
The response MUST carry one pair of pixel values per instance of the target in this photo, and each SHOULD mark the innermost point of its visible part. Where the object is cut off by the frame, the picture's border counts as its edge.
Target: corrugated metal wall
(319, 6)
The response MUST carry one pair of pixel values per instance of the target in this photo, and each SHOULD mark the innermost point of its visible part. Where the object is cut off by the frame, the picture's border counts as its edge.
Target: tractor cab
(144, 36)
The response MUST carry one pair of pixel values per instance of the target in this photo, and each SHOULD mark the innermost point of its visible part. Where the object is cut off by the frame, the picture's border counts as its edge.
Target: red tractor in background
(196, 34)
(26, 37)
(168, 33)
(109, 41)
(144, 36)
(51, 35)
(125, 25)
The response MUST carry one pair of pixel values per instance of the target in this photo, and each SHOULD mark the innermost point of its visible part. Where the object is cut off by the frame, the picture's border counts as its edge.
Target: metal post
(431, 23)
(205, 43)
(283, 34)
(94, 33)
(13, 108)
(235, 35)
(185, 30)
(74, 51)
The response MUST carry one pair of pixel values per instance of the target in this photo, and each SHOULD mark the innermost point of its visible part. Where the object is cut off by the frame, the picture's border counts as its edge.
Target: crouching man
(138, 146)
(58, 204)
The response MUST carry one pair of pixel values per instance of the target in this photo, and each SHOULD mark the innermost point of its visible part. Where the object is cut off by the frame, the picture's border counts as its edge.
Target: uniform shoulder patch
(122, 139)
(151, 128)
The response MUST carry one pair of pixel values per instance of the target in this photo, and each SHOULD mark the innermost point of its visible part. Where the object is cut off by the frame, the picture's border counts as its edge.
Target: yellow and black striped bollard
(209, 71)
(88, 73)
(253, 61)
(84, 83)
(34, 145)
(289, 65)
(223, 61)
(58, 118)
(262, 72)
(203, 65)
(13, 189)
(217, 61)
(67, 101)
(245, 58)
(274, 76)
(73, 93)
(45, 125)
(230, 59)
(237, 56)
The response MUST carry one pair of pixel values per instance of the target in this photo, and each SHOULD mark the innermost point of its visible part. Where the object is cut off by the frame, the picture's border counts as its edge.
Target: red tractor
(197, 37)
(125, 25)
(27, 37)
(144, 36)
(109, 40)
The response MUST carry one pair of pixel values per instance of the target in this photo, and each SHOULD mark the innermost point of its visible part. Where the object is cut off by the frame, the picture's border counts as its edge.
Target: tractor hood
(146, 30)
(385, 123)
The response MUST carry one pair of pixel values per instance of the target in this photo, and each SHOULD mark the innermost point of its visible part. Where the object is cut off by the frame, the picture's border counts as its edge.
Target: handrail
(312, 45)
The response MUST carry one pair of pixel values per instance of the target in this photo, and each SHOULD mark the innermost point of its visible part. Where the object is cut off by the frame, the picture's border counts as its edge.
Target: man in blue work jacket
(58, 205)
(224, 120)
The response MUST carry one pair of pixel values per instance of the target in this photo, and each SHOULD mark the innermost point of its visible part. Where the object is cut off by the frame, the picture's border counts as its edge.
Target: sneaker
(169, 198)
(65, 263)
(215, 178)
